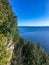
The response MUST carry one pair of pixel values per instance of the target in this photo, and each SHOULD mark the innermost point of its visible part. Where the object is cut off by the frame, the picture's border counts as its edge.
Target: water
(36, 34)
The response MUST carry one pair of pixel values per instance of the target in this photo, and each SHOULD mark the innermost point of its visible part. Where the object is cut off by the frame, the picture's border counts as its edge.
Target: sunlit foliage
(8, 30)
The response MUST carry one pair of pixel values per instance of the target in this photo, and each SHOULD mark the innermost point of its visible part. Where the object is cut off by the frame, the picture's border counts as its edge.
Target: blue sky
(31, 12)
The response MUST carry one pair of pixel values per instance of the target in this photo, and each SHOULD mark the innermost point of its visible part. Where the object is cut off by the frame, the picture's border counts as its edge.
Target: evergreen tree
(7, 19)
(8, 30)
(26, 53)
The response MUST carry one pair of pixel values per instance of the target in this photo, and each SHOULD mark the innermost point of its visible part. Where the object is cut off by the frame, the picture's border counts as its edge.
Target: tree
(8, 30)
(26, 53)
(4, 53)
(7, 19)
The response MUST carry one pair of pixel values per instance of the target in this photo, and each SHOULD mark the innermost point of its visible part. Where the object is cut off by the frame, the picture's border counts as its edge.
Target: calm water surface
(36, 34)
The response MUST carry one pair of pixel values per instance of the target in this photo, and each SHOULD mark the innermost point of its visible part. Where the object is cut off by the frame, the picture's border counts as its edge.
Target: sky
(31, 12)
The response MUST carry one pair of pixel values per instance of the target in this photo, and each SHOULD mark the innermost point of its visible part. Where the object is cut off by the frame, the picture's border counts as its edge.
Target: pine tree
(8, 30)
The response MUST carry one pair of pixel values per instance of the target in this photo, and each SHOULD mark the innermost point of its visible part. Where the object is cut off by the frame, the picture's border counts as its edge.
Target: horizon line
(38, 26)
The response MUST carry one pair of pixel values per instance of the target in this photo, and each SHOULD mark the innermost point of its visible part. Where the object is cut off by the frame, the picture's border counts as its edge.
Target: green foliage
(4, 53)
(7, 20)
(8, 30)
(26, 53)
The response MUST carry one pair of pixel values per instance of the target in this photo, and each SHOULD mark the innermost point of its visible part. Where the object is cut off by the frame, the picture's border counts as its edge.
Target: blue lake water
(36, 34)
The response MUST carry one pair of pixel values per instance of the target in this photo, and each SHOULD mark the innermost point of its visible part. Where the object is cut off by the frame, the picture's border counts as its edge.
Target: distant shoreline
(34, 26)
